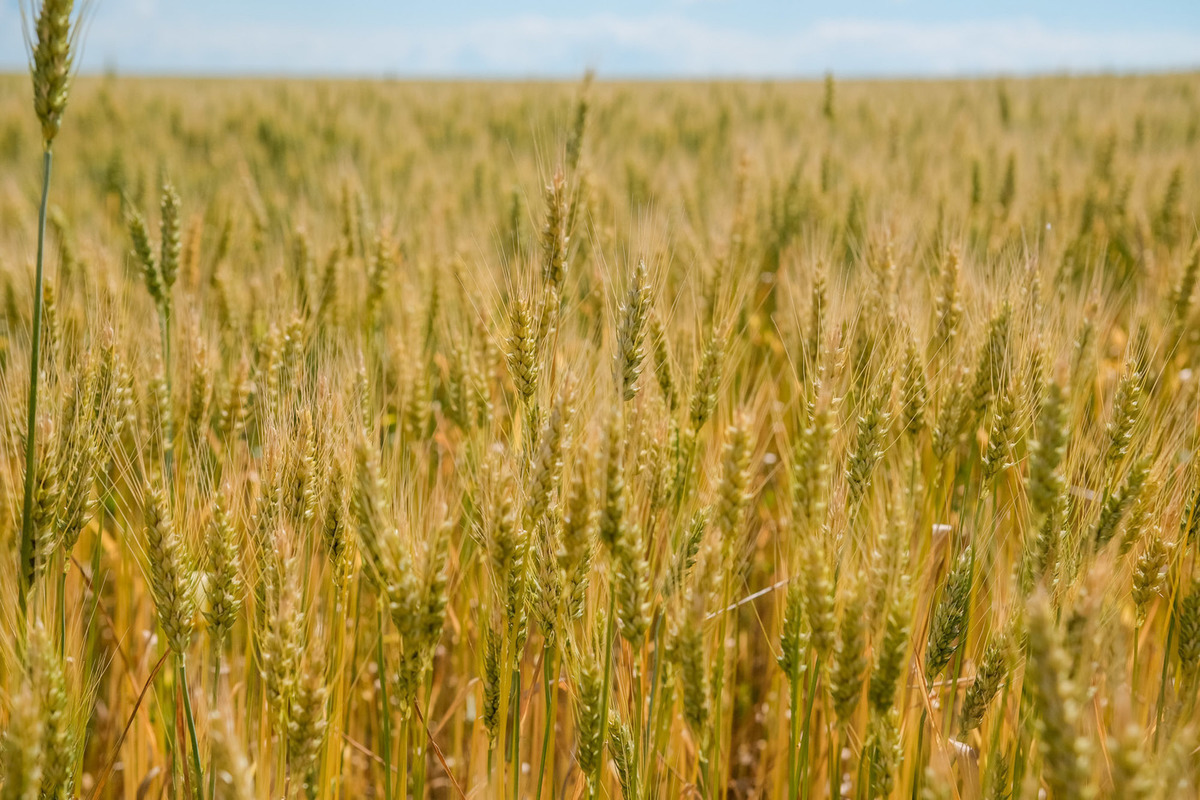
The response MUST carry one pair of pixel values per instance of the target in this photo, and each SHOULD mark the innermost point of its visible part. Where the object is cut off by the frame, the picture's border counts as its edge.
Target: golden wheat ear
(21, 748)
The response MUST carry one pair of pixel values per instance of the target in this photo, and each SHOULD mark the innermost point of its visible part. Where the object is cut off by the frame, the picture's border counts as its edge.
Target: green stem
(716, 768)
(1024, 735)
(27, 554)
(1162, 683)
(213, 692)
(835, 777)
(402, 764)
(168, 432)
(805, 731)
(502, 735)
(549, 682)
(516, 732)
(640, 743)
(1137, 634)
(358, 593)
(718, 689)
(658, 744)
(919, 765)
(214, 689)
(93, 594)
(606, 690)
(197, 769)
(866, 774)
(655, 671)
(62, 607)
(794, 742)
(387, 713)
(420, 746)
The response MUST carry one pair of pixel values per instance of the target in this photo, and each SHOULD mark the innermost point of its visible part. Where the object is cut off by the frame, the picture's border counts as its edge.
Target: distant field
(641, 440)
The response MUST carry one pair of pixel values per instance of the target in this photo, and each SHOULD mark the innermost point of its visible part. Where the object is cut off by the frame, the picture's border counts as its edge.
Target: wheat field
(593, 439)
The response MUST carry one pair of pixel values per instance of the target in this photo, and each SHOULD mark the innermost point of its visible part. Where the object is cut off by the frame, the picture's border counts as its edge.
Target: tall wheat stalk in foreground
(54, 38)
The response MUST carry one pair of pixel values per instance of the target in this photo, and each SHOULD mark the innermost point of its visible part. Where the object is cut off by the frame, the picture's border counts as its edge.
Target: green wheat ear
(52, 56)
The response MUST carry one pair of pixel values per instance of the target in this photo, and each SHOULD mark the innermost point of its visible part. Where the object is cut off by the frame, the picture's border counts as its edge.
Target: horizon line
(852, 76)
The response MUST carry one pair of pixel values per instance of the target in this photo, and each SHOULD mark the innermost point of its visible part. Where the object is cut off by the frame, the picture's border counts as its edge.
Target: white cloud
(658, 44)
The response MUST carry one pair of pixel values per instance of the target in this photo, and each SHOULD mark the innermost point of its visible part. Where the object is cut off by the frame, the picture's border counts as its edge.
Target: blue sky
(651, 38)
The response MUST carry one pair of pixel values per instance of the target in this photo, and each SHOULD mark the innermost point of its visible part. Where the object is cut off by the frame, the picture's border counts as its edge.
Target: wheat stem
(606, 688)
(549, 683)
(27, 550)
(516, 731)
(386, 712)
(197, 769)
